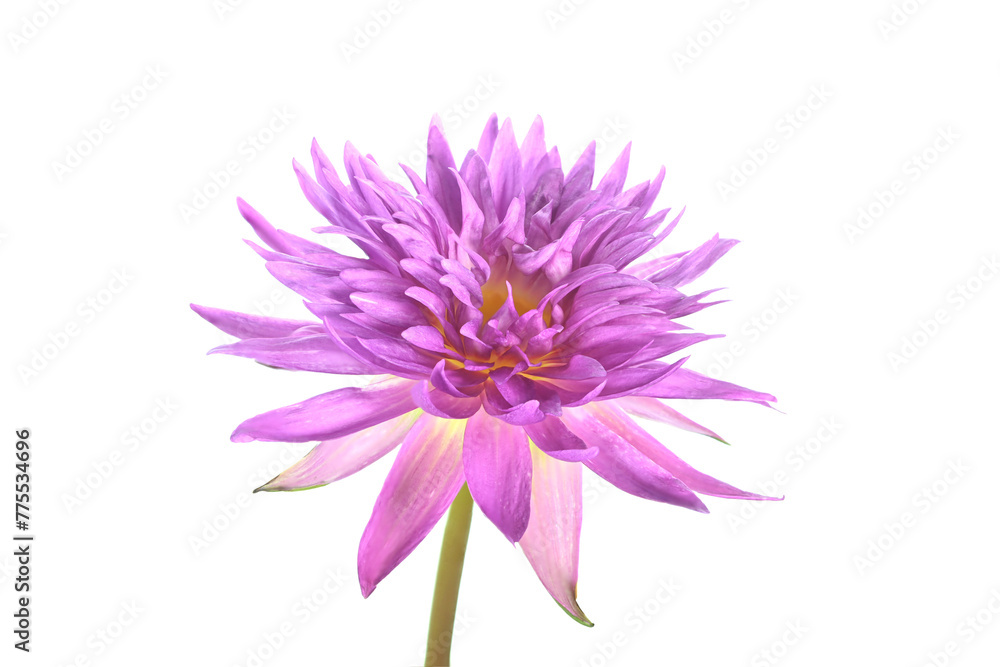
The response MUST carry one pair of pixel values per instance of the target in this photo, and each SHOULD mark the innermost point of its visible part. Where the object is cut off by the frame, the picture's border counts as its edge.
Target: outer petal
(243, 325)
(300, 353)
(335, 459)
(424, 480)
(687, 384)
(497, 464)
(330, 415)
(616, 421)
(625, 466)
(552, 540)
(651, 408)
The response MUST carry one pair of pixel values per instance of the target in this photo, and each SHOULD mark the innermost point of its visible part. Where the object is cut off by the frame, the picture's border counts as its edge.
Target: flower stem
(449, 576)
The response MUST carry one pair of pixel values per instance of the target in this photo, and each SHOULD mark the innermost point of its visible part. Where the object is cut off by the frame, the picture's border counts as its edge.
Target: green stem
(449, 576)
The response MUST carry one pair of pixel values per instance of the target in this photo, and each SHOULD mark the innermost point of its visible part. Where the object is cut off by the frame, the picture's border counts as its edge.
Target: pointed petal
(497, 464)
(651, 408)
(318, 354)
(331, 460)
(330, 415)
(625, 466)
(424, 479)
(552, 437)
(683, 383)
(243, 325)
(616, 421)
(552, 540)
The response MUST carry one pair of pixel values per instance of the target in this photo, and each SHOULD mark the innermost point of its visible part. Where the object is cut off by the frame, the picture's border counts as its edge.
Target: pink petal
(552, 437)
(331, 460)
(616, 421)
(687, 384)
(243, 325)
(497, 464)
(331, 415)
(622, 464)
(424, 480)
(651, 408)
(552, 540)
(299, 353)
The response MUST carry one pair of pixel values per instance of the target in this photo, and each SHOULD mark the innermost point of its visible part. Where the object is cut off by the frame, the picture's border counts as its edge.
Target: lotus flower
(514, 334)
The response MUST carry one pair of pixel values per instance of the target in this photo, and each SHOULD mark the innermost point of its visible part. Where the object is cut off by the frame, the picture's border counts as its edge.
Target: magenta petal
(331, 460)
(300, 353)
(616, 421)
(687, 384)
(424, 480)
(552, 437)
(442, 404)
(242, 325)
(330, 415)
(552, 541)
(497, 464)
(622, 464)
(651, 408)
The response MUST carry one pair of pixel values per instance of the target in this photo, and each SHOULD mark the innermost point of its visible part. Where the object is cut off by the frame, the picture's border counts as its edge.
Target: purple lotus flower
(514, 332)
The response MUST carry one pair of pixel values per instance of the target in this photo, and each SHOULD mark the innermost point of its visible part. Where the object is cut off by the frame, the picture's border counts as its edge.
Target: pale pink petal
(331, 460)
(424, 480)
(651, 408)
(552, 540)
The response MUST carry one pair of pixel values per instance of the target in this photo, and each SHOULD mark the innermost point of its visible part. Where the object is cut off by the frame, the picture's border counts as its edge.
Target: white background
(867, 569)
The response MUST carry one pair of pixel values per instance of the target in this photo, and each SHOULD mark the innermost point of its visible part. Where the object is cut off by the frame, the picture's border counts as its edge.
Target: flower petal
(299, 353)
(331, 460)
(552, 541)
(331, 415)
(552, 437)
(424, 480)
(684, 383)
(242, 325)
(650, 408)
(616, 421)
(497, 464)
(625, 466)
